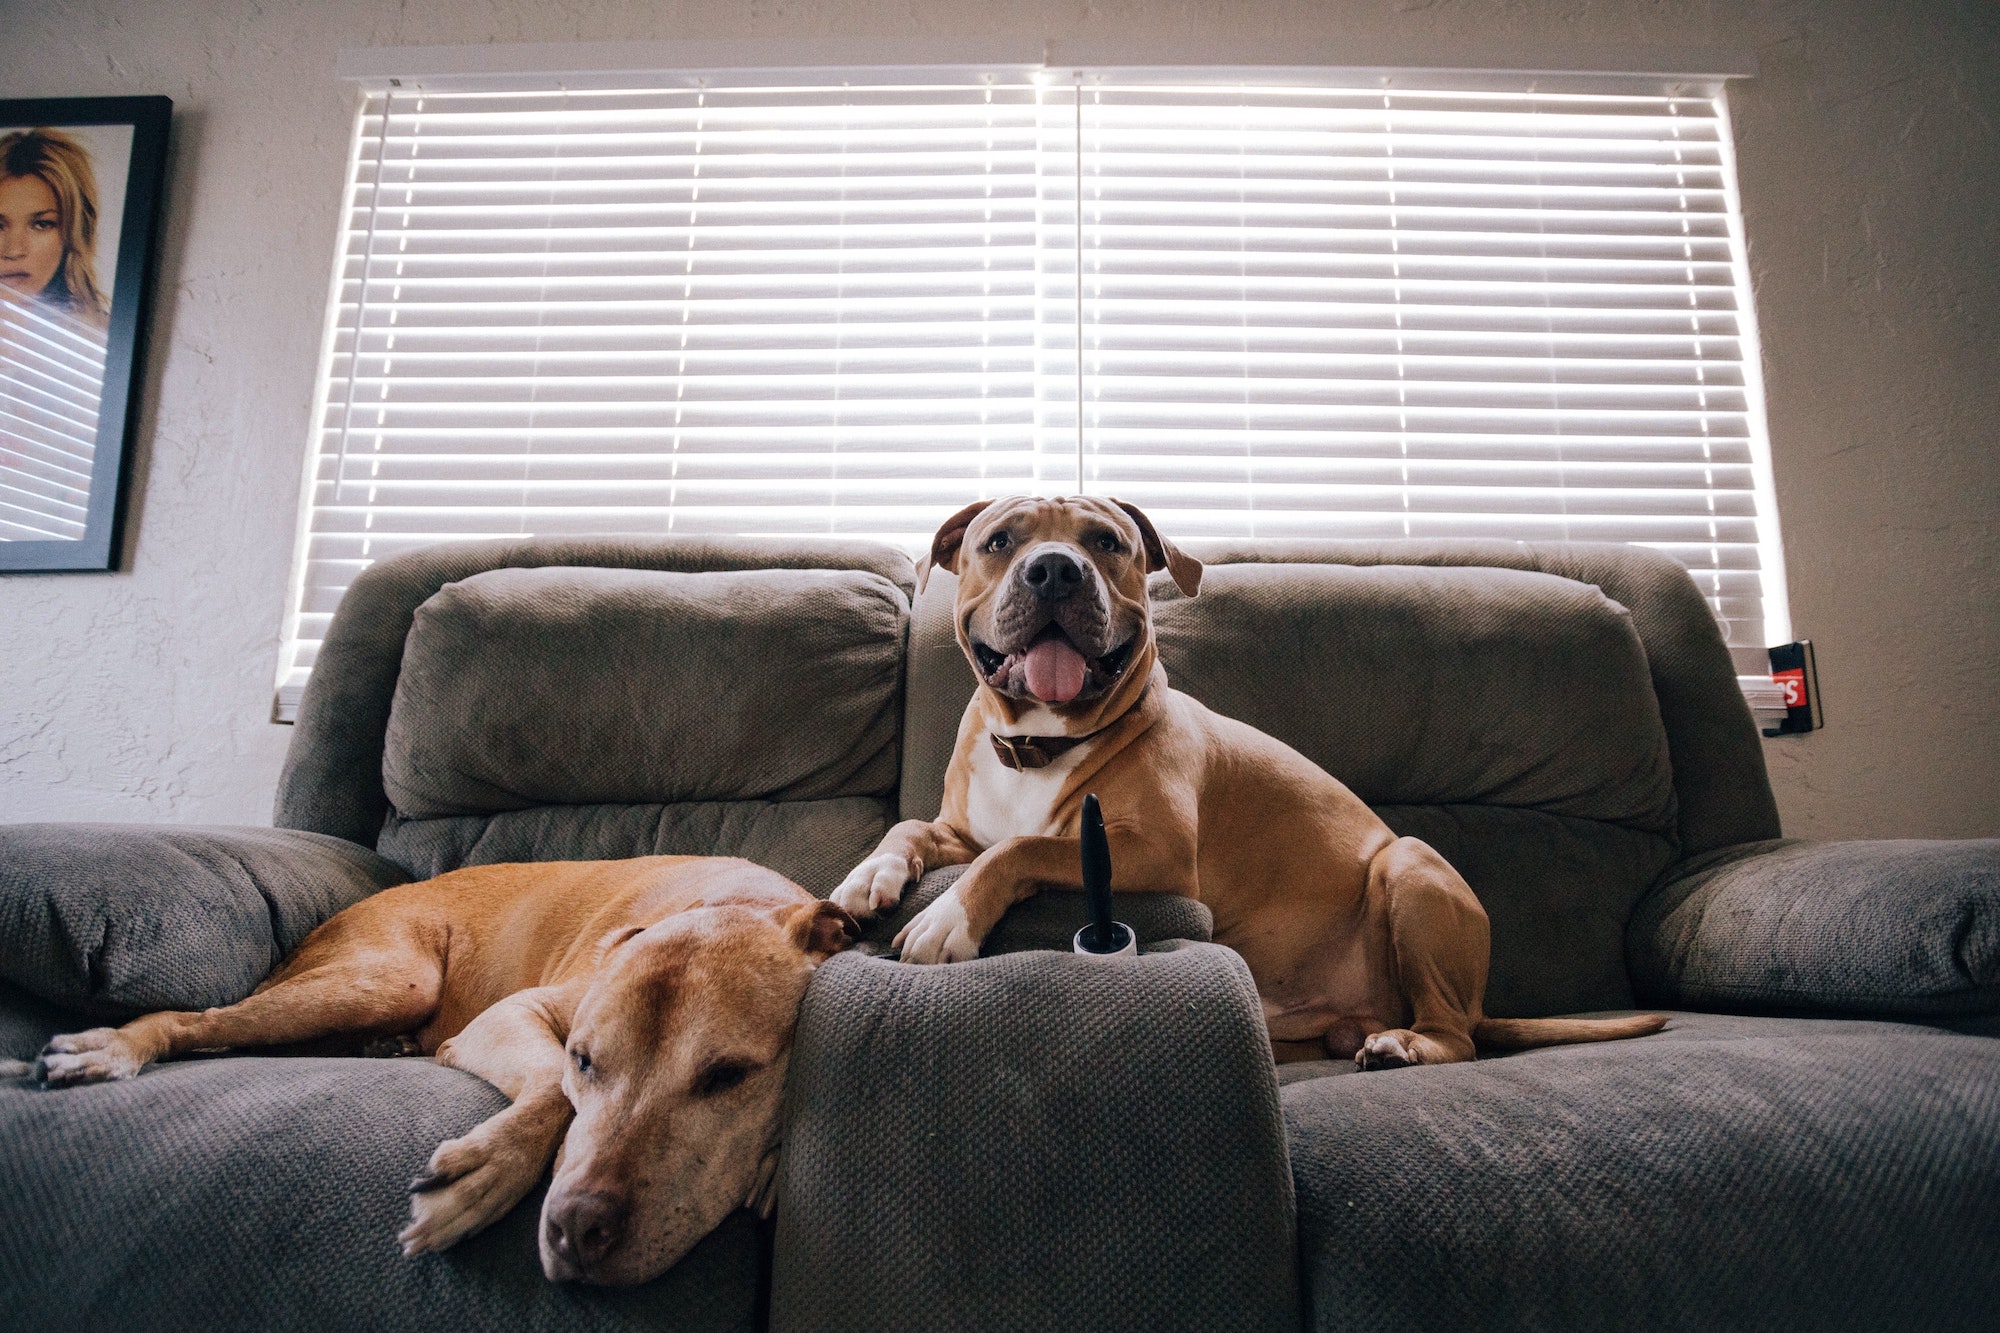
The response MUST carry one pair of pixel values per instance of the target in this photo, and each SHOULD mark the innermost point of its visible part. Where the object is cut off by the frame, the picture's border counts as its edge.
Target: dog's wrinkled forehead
(1032, 518)
(707, 966)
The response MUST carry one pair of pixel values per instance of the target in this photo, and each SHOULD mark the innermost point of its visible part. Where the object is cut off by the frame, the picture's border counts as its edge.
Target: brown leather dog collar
(1020, 752)
(1023, 752)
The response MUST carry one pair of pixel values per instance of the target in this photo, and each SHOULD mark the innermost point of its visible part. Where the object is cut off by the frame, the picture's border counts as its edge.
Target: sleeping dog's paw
(468, 1184)
(876, 885)
(97, 1056)
(941, 933)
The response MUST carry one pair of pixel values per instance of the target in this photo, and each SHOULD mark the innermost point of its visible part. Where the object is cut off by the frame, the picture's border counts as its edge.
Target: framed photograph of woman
(80, 187)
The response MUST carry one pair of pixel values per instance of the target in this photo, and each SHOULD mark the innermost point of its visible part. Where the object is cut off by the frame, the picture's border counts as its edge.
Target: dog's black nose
(585, 1227)
(1052, 574)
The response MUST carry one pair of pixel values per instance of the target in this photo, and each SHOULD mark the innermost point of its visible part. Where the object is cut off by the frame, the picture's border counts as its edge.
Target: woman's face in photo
(31, 247)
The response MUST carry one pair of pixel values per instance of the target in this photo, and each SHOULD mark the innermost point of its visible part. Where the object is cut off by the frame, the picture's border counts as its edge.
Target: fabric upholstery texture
(1420, 686)
(813, 843)
(1830, 927)
(1557, 891)
(117, 920)
(1034, 1141)
(525, 687)
(332, 780)
(1723, 792)
(938, 686)
(1728, 1173)
(1049, 919)
(262, 1194)
(27, 1022)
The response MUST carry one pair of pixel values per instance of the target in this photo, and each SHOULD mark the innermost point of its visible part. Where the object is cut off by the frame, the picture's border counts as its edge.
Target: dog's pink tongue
(1055, 671)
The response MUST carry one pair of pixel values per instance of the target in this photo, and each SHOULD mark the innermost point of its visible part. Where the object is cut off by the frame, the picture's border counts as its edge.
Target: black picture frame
(98, 544)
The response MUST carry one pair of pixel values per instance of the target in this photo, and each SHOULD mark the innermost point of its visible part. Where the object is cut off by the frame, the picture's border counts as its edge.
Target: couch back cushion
(1505, 717)
(1433, 686)
(561, 713)
(812, 843)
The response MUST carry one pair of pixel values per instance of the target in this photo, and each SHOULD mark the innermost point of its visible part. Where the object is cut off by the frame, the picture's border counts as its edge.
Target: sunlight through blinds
(740, 311)
(848, 310)
(1312, 312)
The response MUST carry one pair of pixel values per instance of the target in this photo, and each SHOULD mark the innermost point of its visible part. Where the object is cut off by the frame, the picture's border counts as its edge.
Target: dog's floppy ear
(944, 546)
(1163, 554)
(822, 929)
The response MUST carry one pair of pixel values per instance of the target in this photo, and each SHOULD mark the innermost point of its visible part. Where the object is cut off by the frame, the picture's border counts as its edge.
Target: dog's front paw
(467, 1185)
(97, 1056)
(941, 933)
(876, 885)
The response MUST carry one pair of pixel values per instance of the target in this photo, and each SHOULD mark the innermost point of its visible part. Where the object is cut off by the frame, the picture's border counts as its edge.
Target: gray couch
(1033, 1140)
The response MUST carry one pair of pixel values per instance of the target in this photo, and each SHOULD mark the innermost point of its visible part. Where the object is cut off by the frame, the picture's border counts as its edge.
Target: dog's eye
(1107, 543)
(720, 1076)
(997, 543)
(582, 1058)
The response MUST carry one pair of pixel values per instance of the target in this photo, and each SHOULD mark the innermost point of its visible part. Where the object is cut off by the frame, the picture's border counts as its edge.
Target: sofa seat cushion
(266, 1192)
(813, 843)
(524, 687)
(1729, 1172)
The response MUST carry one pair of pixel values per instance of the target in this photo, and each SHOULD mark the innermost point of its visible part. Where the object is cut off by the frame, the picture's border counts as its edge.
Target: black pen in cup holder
(1102, 937)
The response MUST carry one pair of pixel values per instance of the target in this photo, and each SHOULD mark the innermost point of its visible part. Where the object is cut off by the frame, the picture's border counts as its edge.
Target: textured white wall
(1871, 182)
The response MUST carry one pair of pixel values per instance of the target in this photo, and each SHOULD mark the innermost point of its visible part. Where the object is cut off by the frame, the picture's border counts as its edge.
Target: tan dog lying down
(644, 1006)
(1362, 944)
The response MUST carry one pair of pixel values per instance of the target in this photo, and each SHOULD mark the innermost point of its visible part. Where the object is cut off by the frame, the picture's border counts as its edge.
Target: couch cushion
(1558, 892)
(814, 843)
(26, 1024)
(1726, 1173)
(332, 780)
(266, 1193)
(122, 919)
(524, 687)
(1720, 786)
(1433, 686)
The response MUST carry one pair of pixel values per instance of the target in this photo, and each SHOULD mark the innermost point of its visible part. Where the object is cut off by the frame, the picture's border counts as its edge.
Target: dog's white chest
(1003, 803)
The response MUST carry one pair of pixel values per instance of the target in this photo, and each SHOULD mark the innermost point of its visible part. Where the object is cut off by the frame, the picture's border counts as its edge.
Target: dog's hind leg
(1440, 940)
(471, 1182)
(326, 987)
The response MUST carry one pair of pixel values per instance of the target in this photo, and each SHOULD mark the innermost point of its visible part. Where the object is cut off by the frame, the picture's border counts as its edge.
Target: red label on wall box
(1794, 683)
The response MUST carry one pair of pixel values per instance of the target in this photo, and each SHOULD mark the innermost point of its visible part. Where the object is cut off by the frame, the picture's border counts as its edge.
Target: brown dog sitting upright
(1362, 944)
(650, 1001)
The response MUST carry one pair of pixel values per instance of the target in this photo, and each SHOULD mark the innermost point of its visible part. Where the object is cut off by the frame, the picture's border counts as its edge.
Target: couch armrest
(123, 919)
(1035, 1140)
(1897, 929)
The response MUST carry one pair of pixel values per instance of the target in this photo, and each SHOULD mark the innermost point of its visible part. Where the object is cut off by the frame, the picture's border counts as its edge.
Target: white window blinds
(847, 310)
